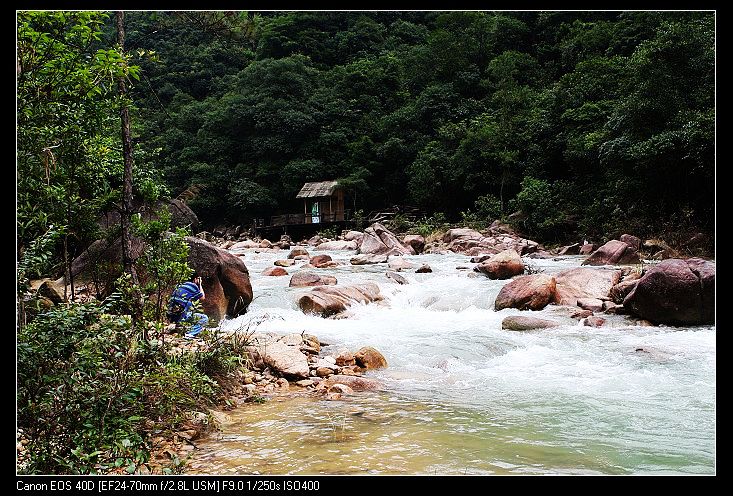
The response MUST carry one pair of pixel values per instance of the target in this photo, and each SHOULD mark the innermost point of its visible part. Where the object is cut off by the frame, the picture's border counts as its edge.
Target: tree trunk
(127, 154)
(126, 214)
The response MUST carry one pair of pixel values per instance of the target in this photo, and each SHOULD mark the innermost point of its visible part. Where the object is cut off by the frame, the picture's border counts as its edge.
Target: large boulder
(659, 250)
(285, 360)
(533, 292)
(50, 289)
(676, 292)
(304, 279)
(369, 358)
(499, 237)
(613, 253)
(354, 236)
(523, 323)
(620, 291)
(101, 262)
(327, 300)
(503, 265)
(390, 240)
(583, 282)
(337, 245)
(371, 244)
(415, 241)
(181, 215)
(380, 240)
(225, 279)
(631, 240)
(587, 249)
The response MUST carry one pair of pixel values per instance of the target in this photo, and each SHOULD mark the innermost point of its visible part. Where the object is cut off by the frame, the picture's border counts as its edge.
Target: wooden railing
(322, 218)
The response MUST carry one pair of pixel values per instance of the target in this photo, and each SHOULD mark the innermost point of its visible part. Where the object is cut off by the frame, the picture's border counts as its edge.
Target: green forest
(590, 123)
(568, 125)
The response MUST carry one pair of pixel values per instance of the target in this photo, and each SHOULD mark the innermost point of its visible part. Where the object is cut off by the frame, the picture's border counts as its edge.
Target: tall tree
(127, 157)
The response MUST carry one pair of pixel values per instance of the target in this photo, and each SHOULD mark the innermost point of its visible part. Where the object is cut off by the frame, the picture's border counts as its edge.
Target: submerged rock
(304, 279)
(399, 263)
(523, 323)
(368, 259)
(326, 300)
(337, 245)
(594, 321)
(319, 260)
(298, 251)
(397, 278)
(274, 271)
(357, 383)
(340, 389)
(581, 314)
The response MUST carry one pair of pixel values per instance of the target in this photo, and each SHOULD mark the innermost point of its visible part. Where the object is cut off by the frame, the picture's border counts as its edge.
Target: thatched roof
(315, 190)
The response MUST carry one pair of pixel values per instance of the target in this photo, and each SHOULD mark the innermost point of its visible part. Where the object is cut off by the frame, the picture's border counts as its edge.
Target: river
(463, 396)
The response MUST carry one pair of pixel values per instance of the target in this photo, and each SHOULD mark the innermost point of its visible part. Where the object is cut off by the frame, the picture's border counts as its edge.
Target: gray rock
(397, 278)
(284, 359)
(365, 259)
(524, 323)
(592, 304)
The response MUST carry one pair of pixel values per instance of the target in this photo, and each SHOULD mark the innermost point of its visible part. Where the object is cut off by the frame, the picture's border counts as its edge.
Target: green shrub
(330, 232)
(427, 226)
(541, 203)
(91, 394)
(488, 207)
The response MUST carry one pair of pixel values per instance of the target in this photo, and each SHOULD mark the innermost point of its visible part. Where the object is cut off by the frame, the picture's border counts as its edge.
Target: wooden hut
(322, 202)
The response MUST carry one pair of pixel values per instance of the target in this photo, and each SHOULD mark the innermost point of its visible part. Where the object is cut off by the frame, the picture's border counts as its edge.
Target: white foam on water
(444, 344)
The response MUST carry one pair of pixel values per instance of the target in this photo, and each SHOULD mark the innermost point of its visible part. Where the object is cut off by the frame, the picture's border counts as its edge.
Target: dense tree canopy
(609, 113)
